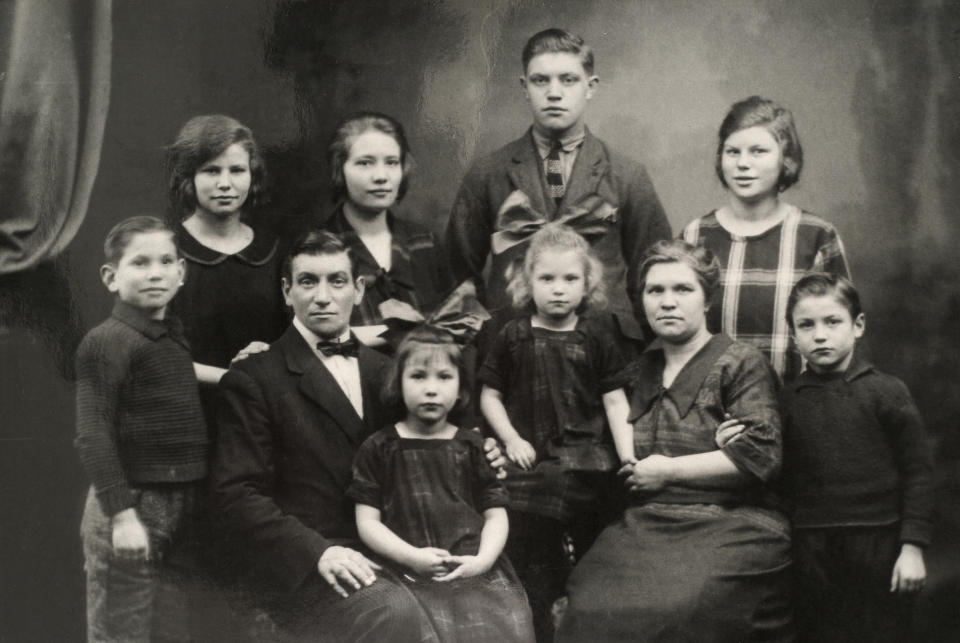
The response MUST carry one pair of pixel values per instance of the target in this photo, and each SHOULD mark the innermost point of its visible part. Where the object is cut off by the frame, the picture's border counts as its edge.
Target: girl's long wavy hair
(557, 237)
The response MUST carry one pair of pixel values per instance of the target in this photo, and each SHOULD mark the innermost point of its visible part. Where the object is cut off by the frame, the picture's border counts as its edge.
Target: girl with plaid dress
(402, 266)
(764, 244)
(428, 501)
(553, 393)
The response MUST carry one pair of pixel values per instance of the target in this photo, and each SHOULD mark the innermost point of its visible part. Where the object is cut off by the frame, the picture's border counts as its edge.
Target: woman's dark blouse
(431, 493)
(228, 301)
(418, 273)
(723, 377)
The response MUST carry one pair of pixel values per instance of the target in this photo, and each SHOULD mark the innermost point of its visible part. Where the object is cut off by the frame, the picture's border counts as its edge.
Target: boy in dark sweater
(142, 441)
(858, 473)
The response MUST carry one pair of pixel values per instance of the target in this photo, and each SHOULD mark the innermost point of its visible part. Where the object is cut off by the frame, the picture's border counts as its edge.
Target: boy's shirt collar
(568, 143)
(857, 368)
(138, 320)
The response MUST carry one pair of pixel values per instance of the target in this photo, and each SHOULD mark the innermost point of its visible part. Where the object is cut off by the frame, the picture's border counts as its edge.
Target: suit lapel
(588, 170)
(526, 172)
(317, 384)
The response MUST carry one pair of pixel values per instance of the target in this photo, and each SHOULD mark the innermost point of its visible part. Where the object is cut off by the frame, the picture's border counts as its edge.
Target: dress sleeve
(102, 365)
(902, 422)
(368, 467)
(610, 358)
(831, 256)
(750, 396)
(493, 371)
(489, 492)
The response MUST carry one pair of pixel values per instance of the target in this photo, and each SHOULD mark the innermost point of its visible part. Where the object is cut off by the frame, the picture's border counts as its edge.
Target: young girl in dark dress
(230, 296)
(400, 261)
(553, 393)
(428, 501)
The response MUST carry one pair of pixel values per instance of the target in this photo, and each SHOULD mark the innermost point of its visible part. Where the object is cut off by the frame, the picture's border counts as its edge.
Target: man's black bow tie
(347, 348)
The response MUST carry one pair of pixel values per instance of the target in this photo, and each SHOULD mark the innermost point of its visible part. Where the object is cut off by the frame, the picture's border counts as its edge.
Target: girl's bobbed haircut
(422, 338)
(821, 284)
(558, 237)
(778, 120)
(703, 262)
(353, 126)
(201, 140)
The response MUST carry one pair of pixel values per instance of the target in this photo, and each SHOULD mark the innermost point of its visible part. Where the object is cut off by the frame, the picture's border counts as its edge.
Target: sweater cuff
(115, 499)
(916, 532)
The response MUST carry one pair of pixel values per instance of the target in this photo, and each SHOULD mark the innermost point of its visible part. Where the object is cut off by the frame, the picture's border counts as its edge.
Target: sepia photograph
(461, 321)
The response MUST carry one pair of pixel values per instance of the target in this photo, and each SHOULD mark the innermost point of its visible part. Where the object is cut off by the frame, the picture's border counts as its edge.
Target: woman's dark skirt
(668, 572)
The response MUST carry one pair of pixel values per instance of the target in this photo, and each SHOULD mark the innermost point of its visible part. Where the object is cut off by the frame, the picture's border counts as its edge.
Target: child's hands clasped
(909, 572)
(429, 561)
(464, 567)
(129, 536)
(521, 453)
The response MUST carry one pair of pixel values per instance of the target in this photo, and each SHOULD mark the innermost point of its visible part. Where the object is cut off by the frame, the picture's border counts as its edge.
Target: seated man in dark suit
(290, 422)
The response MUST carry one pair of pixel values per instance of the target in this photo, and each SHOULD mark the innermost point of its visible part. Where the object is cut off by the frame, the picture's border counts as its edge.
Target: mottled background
(874, 86)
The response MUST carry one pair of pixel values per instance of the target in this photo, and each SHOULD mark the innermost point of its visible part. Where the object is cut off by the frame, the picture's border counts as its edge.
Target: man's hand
(348, 565)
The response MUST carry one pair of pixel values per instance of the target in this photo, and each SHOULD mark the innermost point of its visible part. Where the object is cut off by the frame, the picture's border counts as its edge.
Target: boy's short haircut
(821, 284)
(557, 41)
(317, 242)
(776, 119)
(120, 235)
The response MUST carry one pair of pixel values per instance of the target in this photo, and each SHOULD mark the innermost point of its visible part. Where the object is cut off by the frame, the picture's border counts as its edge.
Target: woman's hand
(521, 453)
(729, 430)
(650, 474)
(428, 561)
(909, 572)
(495, 458)
(129, 536)
(464, 567)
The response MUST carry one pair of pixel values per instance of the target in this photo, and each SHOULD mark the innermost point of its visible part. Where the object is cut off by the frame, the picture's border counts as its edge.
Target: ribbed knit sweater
(139, 419)
(856, 453)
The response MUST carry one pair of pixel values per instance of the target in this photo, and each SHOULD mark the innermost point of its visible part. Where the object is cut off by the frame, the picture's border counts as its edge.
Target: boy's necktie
(555, 173)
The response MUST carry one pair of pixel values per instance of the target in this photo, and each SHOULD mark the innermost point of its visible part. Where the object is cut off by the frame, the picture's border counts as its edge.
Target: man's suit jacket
(287, 436)
(620, 182)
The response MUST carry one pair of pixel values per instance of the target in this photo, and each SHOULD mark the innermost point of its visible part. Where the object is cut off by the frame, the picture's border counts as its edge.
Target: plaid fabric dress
(418, 274)
(432, 493)
(553, 384)
(758, 273)
(691, 562)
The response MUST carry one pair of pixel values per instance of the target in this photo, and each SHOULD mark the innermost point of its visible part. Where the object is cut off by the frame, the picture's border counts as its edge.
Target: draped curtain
(55, 75)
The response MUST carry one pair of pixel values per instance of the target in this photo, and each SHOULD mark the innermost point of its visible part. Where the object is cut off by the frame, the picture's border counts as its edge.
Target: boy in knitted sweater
(858, 475)
(143, 442)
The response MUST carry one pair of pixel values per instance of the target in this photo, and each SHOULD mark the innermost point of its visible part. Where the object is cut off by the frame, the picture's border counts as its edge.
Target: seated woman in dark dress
(231, 295)
(398, 260)
(698, 554)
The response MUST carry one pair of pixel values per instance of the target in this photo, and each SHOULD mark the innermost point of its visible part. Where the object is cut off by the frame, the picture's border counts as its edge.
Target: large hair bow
(460, 314)
(517, 219)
